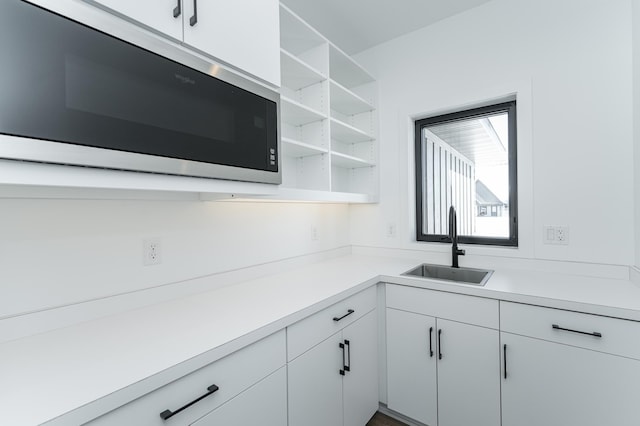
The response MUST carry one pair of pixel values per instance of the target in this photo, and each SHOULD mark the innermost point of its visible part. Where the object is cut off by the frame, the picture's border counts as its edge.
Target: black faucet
(453, 234)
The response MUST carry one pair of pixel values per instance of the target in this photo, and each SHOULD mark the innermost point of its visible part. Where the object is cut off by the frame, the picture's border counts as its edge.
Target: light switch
(551, 233)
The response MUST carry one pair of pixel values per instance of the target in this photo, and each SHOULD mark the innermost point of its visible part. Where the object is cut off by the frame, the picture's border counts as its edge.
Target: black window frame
(510, 108)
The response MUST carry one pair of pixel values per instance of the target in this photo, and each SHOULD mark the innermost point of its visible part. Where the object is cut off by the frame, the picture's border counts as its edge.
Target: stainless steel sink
(473, 276)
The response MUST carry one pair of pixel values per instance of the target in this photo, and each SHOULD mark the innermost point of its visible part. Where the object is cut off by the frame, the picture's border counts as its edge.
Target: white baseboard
(404, 419)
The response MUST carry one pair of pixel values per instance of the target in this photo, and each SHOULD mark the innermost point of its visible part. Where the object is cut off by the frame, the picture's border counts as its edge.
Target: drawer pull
(430, 342)
(167, 414)
(594, 334)
(349, 312)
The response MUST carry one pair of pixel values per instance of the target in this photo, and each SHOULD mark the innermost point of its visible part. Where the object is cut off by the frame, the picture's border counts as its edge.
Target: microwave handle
(194, 19)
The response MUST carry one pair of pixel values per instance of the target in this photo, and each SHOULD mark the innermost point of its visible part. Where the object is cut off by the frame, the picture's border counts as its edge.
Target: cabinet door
(157, 14)
(468, 375)
(243, 33)
(411, 367)
(265, 403)
(315, 385)
(360, 383)
(558, 385)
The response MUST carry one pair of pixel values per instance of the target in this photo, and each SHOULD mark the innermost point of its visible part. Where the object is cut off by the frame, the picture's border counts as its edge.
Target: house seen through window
(467, 159)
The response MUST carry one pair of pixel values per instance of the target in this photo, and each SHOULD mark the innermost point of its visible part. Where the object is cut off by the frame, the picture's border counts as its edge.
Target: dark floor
(380, 419)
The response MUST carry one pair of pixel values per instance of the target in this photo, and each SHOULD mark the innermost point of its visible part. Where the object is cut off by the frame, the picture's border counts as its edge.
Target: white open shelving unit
(328, 119)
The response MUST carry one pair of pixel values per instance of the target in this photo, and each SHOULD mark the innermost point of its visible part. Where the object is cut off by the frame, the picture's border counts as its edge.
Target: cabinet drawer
(265, 403)
(310, 331)
(616, 336)
(232, 374)
(455, 307)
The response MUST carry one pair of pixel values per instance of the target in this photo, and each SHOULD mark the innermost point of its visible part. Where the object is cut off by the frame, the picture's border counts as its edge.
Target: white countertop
(90, 368)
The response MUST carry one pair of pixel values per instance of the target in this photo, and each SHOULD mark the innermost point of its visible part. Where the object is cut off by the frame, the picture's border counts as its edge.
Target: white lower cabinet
(360, 383)
(558, 385)
(582, 373)
(336, 382)
(441, 371)
(210, 388)
(435, 367)
(412, 387)
(265, 403)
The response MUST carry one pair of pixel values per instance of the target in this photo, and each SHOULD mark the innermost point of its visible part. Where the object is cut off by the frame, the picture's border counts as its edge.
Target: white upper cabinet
(242, 33)
(161, 15)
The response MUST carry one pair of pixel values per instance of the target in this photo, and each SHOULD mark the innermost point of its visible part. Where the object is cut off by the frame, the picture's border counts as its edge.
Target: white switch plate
(391, 230)
(558, 235)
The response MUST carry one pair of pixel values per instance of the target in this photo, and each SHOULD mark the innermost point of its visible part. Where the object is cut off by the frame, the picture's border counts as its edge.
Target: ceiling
(356, 25)
(478, 139)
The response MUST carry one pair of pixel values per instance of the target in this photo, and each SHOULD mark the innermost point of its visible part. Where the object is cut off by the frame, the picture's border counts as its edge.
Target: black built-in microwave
(72, 94)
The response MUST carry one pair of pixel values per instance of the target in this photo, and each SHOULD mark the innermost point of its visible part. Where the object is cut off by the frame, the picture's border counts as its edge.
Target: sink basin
(473, 276)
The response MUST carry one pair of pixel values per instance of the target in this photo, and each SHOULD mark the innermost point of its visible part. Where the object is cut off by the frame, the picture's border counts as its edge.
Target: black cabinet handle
(167, 414)
(347, 366)
(504, 359)
(439, 344)
(177, 11)
(594, 334)
(194, 19)
(344, 365)
(349, 312)
(430, 342)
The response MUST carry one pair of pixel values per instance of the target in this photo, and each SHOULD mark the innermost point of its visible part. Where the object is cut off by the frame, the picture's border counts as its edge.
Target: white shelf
(297, 74)
(344, 132)
(296, 36)
(293, 148)
(346, 102)
(297, 114)
(285, 195)
(348, 161)
(328, 120)
(345, 70)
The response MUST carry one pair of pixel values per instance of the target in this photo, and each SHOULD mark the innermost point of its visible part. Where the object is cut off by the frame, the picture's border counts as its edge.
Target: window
(467, 159)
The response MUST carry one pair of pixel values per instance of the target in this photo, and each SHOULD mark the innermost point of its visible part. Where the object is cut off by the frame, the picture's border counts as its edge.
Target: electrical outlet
(151, 252)
(558, 235)
(315, 235)
(562, 235)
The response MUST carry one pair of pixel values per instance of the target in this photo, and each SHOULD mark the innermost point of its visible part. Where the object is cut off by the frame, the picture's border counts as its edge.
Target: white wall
(58, 252)
(636, 124)
(570, 64)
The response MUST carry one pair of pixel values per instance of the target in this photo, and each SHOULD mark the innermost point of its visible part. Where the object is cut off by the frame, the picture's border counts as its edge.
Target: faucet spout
(453, 234)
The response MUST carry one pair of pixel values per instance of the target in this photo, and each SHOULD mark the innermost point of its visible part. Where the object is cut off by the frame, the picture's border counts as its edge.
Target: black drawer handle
(344, 365)
(349, 312)
(594, 334)
(177, 11)
(504, 359)
(439, 344)
(194, 19)
(430, 342)
(167, 414)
